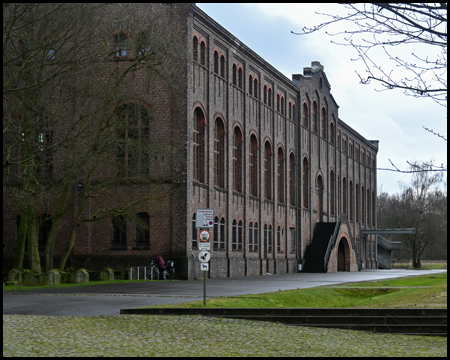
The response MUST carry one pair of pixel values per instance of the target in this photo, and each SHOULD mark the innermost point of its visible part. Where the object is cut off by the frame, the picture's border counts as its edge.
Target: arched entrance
(320, 199)
(343, 263)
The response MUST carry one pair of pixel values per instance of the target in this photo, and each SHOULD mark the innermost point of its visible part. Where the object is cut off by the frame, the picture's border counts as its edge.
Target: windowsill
(141, 247)
(118, 247)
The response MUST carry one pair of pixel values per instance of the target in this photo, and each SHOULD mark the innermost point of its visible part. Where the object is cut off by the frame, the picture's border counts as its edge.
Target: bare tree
(420, 205)
(417, 29)
(374, 25)
(59, 89)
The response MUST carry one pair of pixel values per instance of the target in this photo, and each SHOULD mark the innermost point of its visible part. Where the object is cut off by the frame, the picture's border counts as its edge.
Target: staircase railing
(342, 218)
(389, 245)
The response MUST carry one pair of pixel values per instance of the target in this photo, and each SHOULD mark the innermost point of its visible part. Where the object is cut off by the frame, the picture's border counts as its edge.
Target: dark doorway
(343, 256)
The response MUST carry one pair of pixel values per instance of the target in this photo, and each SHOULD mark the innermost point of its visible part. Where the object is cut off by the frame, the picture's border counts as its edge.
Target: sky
(391, 117)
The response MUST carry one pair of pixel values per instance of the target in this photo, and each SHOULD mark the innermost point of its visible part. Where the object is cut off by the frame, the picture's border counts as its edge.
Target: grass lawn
(428, 291)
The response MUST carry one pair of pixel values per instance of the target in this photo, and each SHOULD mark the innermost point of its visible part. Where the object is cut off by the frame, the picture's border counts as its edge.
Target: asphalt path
(108, 299)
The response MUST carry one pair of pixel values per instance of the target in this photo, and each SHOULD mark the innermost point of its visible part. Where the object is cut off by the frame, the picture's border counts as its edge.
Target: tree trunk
(57, 219)
(33, 245)
(69, 247)
(21, 240)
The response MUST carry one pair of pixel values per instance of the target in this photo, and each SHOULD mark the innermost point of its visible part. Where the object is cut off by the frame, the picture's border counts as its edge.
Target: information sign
(204, 246)
(204, 266)
(204, 218)
(204, 235)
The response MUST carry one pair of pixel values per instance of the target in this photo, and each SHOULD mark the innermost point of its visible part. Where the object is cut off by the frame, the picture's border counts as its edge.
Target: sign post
(204, 219)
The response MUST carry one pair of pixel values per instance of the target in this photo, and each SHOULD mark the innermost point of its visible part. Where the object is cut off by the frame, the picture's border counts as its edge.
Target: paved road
(108, 299)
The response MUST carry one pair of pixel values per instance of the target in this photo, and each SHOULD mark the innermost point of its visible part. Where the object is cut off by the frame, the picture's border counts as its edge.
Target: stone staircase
(396, 321)
(315, 252)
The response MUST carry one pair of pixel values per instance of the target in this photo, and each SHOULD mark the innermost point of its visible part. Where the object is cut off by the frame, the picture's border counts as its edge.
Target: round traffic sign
(204, 235)
(204, 256)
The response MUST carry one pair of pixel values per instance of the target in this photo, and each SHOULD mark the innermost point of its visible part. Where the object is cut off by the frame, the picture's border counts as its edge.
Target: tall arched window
(357, 203)
(203, 53)
(305, 115)
(234, 74)
(268, 171)
(368, 208)
(132, 131)
(265, 94)
(142, 229)
(332, 193)
(332, 133)
(255, 88)
(199, 145)
(324, 123)
(194, 233)
(269, 95)
(222, 234)
(253, 237)
(278, 239)
(305, 183)
(280, 175)
(253, 165)
(222, 66)
(292, 179)
(216, 62)
(250, 85)
(278, 102)
(352, 193)
(195, 48)
(240, 79)
(240, 235)
(344, 195)
(363, 205)
(234, 236)
(219, 153)
(269, 236)
(315, 116)
(216, 234)
(282, 105)
(237, 159)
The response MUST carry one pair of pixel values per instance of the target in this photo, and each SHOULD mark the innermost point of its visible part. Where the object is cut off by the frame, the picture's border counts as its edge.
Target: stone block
(80, 277)
(107, 274)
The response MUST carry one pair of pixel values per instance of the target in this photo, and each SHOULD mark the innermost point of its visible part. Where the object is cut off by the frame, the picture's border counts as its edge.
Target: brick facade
(256, 137)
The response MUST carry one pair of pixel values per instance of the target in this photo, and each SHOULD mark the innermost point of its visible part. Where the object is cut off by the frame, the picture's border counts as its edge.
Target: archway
(343, 263)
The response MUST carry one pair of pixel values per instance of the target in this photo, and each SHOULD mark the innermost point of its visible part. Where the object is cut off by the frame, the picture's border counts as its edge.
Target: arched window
(203, 53)
(315, 116)
(279, 239)
(222, 234)
(292, 179)
(240, 79)
(324, 123)
(219, 153)
(234, 74)
(216, 62)
(195, 48)
(199, 145)
(222, 66)
(268, 171)
(305, 115)
(216, 234)
(351, 201)
(253, 165)
(368, 208)
(282, 105)
(119, 230)
(269, 94)
(363, 206)
(332, 193)
(305, 183)
(142, 229)
(253, 237)
(250, 85)
(255, 88)
(332, 132)
(357, 203)
(234, 236)
(278, 102)
(290, 110)
(250, 237)
(194, 234)
(237, 159)
(265, 94)
(344, 195)
(280, 175)
(133, 131)
(240, 235)
(269, 236)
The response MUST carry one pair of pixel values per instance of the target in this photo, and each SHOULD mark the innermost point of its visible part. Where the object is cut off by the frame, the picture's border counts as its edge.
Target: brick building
(269, 154)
